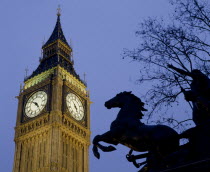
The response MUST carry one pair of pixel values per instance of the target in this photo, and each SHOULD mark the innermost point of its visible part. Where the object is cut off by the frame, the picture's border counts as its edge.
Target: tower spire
(56, 52)
(57, 33)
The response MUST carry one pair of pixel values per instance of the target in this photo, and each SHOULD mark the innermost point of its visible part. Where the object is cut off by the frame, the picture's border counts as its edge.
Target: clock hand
(75, 107)
(36, 104)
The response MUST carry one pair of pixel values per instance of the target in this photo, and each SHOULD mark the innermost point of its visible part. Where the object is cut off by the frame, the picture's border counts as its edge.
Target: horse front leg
(133, 158)
(106, 137)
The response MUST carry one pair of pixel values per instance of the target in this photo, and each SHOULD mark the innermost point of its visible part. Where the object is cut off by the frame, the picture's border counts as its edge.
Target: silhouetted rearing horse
(127, 129)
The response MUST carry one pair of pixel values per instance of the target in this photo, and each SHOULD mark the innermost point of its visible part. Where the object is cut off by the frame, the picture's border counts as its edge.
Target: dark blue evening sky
(98, 30)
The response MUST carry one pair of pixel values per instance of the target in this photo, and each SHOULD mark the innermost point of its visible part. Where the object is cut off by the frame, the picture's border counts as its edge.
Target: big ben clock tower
(52, 131)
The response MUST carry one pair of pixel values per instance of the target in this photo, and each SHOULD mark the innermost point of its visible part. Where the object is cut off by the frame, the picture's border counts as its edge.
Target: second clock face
(75, 106)
(36, 104)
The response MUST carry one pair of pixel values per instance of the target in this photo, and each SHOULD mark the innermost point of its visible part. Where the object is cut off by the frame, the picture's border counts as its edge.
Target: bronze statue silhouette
(127, 129)
(199, 94)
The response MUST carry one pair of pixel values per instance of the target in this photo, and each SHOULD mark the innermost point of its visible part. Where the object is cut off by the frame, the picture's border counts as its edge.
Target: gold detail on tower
(64, 74)
(52, 141)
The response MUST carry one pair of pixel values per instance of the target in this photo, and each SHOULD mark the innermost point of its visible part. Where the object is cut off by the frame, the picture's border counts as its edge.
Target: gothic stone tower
(52, 131)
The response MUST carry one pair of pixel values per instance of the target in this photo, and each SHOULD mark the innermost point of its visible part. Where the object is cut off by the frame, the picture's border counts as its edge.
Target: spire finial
(26, 71)
(59, 10)
(85, 77)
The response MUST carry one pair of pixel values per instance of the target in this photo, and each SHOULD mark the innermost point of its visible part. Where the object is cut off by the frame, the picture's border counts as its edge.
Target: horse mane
(135, 98)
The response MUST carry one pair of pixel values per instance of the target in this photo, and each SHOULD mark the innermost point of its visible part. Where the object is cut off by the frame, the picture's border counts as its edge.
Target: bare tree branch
(183, 43)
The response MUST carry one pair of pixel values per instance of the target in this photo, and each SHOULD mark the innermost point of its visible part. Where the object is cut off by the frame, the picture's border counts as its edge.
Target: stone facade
(53, 140)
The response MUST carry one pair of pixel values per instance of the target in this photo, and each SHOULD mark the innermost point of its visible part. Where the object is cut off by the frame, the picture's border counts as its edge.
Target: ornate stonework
(53, 140)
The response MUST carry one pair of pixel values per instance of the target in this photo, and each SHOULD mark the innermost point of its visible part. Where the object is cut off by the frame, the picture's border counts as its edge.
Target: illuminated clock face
(75, 106)
(35, 104)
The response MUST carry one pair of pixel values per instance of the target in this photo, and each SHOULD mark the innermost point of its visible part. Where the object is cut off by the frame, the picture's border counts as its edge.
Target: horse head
(125, 98)
(117, 101)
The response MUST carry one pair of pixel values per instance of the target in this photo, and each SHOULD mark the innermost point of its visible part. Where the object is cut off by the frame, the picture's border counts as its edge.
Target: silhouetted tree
(183, 42)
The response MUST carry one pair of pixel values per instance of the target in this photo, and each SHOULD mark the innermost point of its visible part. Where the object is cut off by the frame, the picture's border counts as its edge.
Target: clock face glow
(75, 106)
(35, 104)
